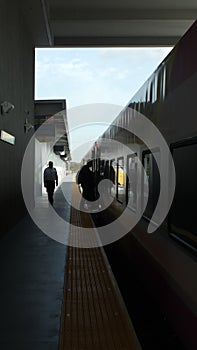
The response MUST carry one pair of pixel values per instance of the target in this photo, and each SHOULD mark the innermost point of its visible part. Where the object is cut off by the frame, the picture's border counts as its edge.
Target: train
(164, 260)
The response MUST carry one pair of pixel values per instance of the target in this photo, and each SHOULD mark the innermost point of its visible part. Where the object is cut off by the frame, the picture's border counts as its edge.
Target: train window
(155, 82)
(161, 86)
(113, 176)
(182, 216)
(151, 92)
(121, 180)
(164, 85)
(131, 188)
(151, 183)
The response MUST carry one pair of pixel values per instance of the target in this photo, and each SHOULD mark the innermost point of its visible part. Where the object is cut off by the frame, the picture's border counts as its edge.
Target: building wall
(44, 109)
(17, 87)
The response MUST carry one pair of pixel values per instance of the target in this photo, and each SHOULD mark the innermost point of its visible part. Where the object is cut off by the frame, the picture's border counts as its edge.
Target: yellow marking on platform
(93, 314)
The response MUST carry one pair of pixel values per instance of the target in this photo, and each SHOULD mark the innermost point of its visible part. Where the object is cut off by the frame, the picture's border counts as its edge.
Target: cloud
(89, 76)
(60, 69)
(94, 75)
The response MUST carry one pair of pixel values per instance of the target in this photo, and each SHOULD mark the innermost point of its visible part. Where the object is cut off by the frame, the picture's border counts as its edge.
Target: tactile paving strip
(93, 314)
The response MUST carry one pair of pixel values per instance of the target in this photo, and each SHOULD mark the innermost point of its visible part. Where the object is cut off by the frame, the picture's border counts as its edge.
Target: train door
(182, 217)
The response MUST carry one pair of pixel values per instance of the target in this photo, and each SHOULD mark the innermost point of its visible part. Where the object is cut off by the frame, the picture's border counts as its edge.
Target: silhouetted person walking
(50, 179)
(89, 181)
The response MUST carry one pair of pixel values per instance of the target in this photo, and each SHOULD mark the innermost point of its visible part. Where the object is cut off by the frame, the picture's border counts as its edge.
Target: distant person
(50, 179)
(85, 178)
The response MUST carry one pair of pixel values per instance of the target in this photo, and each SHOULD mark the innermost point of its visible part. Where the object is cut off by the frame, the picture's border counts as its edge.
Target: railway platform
(59, 297)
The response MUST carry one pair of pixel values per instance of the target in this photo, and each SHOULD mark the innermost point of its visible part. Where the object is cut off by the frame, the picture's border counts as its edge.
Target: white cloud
(86, 76)
(60, 69)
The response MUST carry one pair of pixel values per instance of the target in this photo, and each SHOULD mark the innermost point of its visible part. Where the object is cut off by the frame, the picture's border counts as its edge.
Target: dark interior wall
(17, 87)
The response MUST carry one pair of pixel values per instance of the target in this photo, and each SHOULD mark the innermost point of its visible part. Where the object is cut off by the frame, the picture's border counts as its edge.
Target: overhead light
(6, 107)
(5, 136)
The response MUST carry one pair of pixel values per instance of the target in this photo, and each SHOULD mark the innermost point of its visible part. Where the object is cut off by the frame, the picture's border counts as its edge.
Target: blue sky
(92, 77)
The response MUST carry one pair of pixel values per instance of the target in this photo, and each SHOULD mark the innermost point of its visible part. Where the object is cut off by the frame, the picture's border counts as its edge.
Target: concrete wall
(17, 87)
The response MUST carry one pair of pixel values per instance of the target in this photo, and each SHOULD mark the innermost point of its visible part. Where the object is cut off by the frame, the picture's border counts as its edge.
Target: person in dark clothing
(89, 181)
(50, 179)
(85, 178)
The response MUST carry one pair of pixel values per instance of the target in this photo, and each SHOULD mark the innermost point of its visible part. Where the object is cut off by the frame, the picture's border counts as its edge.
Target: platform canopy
(108, 22)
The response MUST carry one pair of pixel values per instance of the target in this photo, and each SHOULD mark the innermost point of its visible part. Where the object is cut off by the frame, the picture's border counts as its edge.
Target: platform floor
(39, 301)
(32, 269)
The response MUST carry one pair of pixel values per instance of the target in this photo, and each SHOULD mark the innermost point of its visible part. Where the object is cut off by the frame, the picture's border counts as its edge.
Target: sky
(96, 83)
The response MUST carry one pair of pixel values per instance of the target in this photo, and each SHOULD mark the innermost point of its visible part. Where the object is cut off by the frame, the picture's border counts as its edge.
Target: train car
(165, 260)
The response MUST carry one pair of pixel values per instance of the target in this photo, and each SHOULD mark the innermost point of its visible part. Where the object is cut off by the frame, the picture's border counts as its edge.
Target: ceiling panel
(112, 22)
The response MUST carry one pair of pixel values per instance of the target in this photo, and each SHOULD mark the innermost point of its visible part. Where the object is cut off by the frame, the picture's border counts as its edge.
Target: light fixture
(27, 126)
(5, 136)
(6, 107)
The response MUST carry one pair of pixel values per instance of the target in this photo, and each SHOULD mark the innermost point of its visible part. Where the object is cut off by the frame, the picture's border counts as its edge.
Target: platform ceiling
(109, 22)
